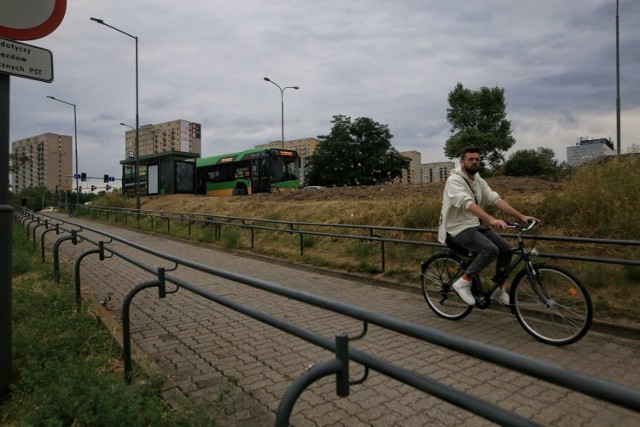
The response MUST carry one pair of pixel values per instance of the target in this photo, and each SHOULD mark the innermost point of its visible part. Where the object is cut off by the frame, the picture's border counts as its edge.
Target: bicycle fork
(534, 278)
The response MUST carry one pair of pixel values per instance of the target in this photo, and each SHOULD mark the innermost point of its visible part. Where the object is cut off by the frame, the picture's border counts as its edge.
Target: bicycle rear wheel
(553, 307)
(436, 275)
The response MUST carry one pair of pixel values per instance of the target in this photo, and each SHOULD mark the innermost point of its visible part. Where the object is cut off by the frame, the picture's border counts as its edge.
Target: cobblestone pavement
(212, 352)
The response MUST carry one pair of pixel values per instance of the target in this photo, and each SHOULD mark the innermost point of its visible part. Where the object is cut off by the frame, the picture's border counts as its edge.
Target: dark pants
(488, 246)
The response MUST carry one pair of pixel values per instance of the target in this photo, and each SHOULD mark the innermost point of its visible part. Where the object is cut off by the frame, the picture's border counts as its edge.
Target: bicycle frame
(522, 256)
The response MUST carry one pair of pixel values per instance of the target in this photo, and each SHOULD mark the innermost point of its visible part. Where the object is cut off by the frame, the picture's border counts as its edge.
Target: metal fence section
(368, 233)
(341, 345)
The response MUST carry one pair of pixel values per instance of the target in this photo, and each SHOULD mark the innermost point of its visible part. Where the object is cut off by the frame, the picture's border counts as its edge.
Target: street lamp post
(75, 129)
(137, 171)
(617, 77)
(281, 101)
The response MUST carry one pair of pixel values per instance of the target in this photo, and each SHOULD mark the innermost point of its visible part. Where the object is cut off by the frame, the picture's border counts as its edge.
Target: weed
(66, 370)
(231, 237)
(309, 241)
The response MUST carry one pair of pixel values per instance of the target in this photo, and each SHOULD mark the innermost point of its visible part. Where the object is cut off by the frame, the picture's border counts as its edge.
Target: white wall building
(588, 149)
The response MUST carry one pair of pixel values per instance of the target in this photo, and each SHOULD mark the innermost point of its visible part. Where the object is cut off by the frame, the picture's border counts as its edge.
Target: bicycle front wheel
(437, 274)
(552, 305)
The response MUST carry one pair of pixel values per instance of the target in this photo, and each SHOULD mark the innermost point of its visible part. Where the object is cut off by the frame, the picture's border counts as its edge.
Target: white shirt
(459, 193)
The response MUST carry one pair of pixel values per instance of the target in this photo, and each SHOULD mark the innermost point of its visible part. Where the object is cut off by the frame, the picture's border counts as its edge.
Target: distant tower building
(587, 149)
(43, 160)
(436, 172)
(304, 147)
(412, 175)
(177, 135)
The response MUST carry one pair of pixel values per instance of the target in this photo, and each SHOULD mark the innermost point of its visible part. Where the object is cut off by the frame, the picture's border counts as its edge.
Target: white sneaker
(463, 289)
(500, 296)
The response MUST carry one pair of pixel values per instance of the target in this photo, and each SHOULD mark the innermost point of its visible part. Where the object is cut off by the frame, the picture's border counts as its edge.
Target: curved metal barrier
(605, 390)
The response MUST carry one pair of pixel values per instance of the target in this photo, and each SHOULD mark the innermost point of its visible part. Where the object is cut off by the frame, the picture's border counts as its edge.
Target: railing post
(342, 355)
(56, 228)
(338, 366)
(126, 324)
(382, 257)
(46, 225)
(56, 257)
(99, 251)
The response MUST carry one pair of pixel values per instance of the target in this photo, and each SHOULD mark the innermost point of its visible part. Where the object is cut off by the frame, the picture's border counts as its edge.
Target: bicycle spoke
(554, 307)
(436, 277)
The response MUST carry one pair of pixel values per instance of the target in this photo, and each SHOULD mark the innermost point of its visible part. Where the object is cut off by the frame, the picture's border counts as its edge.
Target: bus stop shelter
(170, 172)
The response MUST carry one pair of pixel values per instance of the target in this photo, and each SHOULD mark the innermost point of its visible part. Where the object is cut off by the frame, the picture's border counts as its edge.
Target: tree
(531, 163)
(355, 153)
(478, 118)
(18, 161)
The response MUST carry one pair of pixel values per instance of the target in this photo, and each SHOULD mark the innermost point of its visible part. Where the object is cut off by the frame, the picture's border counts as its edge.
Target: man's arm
(486, 218)
(510, 210)
(496, 223)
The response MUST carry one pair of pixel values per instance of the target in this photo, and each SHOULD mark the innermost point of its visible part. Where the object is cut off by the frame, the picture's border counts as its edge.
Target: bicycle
(550, 303)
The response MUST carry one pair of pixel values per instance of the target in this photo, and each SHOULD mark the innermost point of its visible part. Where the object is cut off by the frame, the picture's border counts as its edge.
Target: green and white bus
(258, 170)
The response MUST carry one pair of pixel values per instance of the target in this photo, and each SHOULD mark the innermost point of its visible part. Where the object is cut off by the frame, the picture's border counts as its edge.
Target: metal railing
(341, 344)
(368, 233)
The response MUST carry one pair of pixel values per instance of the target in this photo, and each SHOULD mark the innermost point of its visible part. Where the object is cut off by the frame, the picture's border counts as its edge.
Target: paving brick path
(212, 352)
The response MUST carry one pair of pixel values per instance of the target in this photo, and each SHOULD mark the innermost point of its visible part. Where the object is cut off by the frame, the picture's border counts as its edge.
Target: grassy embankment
(67, 369)
(597, 201)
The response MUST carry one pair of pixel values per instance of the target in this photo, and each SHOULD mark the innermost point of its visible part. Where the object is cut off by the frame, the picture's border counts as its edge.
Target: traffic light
(93, 187)
(83, 176)
(106, 178)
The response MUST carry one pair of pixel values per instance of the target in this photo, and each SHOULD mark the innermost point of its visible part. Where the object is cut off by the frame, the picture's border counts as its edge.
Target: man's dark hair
(475, 150)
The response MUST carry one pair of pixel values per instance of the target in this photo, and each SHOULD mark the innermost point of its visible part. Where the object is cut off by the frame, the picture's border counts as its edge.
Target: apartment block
(42, 160)
(436, 172)
(412, 175)
(176, 135)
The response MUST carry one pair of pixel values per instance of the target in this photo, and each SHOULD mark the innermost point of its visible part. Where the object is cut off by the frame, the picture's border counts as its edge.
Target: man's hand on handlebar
(529, 219)
(498, 224)
(531, 223)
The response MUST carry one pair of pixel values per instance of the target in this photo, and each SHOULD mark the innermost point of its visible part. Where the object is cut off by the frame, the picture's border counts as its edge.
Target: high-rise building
(587, 149)
(436, 172)
(304, 147)
(42, 160)
(411, 175)
(177, 135)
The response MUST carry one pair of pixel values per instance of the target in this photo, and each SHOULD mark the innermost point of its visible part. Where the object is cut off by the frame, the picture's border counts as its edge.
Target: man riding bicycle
(465, 223)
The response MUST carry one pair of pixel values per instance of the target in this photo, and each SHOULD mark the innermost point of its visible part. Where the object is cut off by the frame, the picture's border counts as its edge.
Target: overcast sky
(393, 61)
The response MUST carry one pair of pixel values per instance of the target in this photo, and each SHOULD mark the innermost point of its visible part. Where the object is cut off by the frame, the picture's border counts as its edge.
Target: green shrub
(231, 237)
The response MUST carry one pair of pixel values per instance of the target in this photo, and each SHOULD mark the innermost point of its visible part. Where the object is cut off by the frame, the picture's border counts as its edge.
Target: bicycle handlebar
(520, 227)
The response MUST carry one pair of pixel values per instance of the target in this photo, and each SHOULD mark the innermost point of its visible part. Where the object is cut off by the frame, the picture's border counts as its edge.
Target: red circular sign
(40, 29)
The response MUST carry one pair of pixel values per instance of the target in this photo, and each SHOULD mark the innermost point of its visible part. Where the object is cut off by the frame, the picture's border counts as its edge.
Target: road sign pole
(6, 231)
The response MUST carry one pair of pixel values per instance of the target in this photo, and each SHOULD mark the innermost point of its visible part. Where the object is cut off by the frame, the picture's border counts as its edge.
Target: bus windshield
(283, 168)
